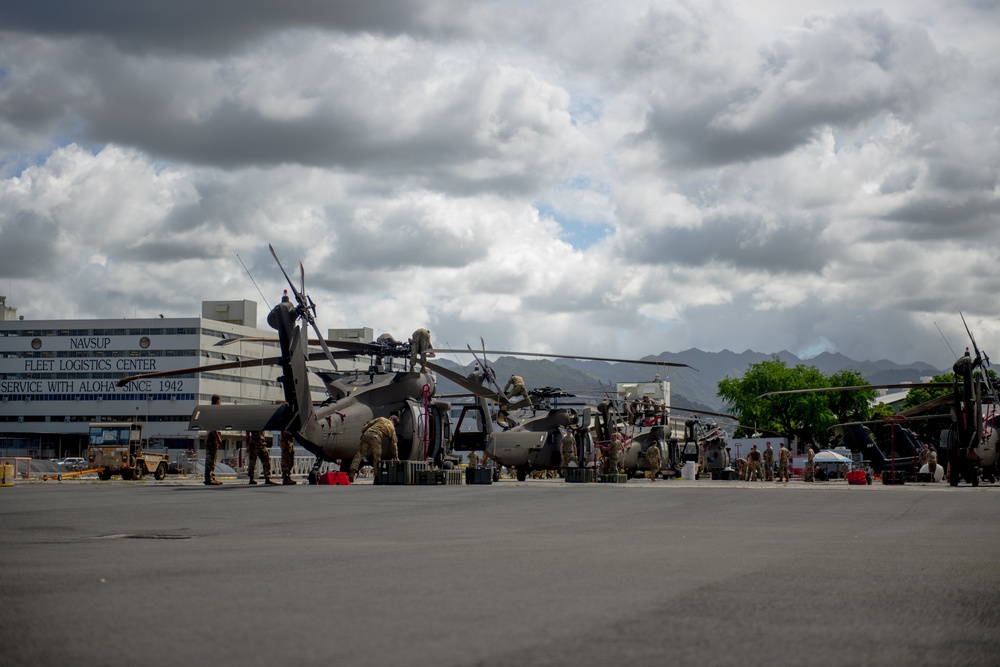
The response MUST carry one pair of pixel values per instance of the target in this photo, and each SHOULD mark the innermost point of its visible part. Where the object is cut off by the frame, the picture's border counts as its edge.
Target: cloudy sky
(618, 179)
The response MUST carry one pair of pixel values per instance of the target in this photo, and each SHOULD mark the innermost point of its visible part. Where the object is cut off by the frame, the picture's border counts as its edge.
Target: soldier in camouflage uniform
(611, 460)
(653, 459)
(784, 458)
(768, 463)
(568, 450)
(287, 457)
(372, 435)
(212, 450)
(809, 472)
(420, 342)
(473, 460)
(753, 460)
(258, 450)
(519, 388)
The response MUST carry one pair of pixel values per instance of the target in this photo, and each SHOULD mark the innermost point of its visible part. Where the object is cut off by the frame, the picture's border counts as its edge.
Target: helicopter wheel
(311, 477)
(522, 473)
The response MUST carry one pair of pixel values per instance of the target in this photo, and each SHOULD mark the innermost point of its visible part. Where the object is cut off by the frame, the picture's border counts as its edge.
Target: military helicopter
(535, 442)
(697, 436)
(970, 443)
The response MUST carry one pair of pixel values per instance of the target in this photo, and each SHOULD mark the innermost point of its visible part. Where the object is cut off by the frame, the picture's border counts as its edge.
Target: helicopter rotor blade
(489, 375)
(252, 363)
(305, 306)
(461, 381)
(819, 390)
(644, 362)
(883, 421)
(191, 370)
(298, 296)
(927, 405)
(984, 362)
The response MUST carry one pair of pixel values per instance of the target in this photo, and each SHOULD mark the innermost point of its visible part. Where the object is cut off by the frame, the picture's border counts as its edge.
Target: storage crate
(579, 475)
(390, 472)
(430, 477)
(893, 478)
(478, 475)
(411, 469)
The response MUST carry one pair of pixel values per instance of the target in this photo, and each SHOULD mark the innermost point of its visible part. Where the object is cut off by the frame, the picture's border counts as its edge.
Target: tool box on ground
(893, 478)
(476, 475)
(453, 477)
(726, 474)
(334, 478)
(579, 475)
(391, 472)
(430, 477)
(411, 469)
(613, 478)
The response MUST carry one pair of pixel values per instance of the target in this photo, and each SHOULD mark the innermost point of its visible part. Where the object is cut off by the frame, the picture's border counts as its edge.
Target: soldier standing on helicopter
(519, 389)
(372, 435)
(420, 342)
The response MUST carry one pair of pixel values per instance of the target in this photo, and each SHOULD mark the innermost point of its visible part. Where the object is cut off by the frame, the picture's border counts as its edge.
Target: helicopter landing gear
(313, 476)
(522, 473)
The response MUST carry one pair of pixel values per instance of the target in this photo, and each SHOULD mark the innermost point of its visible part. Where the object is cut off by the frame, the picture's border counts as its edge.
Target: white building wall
(58, 375)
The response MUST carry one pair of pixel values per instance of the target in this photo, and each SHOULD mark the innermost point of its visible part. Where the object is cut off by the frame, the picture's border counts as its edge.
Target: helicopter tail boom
(239, 417)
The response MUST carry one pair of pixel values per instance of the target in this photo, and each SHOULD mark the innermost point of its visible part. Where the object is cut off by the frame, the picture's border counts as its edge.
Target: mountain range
(693, 387)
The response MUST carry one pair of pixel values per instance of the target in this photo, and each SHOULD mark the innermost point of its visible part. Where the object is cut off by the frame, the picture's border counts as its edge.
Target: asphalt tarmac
(533, 573)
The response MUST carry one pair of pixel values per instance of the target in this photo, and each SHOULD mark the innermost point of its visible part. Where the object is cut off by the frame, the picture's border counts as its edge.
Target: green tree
(806, 416)
(851, 406)
(881, 411)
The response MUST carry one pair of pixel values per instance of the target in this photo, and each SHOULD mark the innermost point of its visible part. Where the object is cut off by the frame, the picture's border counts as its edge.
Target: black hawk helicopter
(535, 443)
